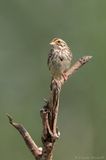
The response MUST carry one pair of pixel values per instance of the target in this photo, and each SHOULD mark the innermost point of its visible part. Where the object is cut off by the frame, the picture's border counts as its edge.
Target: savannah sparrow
(59, 59)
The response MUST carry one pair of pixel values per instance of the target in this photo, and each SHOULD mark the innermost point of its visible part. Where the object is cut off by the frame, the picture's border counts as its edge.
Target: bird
(59, 59)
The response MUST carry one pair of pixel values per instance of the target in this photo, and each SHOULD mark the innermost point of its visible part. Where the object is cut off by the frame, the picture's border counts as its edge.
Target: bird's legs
(65, 77)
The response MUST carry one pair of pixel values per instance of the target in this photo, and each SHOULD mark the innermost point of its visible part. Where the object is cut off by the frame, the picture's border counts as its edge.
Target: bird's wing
(50, 56)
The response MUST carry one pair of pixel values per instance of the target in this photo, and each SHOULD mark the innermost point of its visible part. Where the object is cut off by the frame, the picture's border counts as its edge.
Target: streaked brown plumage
(59, 58)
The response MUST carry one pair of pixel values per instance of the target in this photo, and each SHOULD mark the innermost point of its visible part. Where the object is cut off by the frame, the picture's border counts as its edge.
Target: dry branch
(49, 114)
(36, 151)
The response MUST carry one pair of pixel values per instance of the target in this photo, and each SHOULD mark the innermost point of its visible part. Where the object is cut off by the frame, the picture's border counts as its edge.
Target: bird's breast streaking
(59, 58)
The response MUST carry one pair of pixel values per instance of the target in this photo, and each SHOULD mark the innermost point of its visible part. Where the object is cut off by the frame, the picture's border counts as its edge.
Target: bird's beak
(52, 43)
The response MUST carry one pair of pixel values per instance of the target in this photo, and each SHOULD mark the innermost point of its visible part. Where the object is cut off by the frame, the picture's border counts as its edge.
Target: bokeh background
(26, 28)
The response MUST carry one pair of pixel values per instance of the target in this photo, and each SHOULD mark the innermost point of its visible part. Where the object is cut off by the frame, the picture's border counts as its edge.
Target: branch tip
(10, 118)
(84, 59)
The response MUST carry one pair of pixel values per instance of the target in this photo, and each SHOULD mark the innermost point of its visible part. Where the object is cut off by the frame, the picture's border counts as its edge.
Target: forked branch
(49, 114)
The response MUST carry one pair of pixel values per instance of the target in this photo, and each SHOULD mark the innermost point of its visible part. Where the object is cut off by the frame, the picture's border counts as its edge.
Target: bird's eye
(58, 41)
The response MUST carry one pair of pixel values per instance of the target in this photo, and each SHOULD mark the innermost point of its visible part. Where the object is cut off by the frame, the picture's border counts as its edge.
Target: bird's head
(58, 43)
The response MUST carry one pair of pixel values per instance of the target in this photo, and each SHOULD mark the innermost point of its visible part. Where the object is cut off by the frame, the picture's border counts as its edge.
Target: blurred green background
(26, 28)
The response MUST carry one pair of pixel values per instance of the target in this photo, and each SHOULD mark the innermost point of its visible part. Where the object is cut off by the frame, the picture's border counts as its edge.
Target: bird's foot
(65, 77)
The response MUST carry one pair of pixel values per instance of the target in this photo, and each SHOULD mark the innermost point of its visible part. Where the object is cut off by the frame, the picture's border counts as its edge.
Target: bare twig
(78, 64)
(36, 151)
(49, 114)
